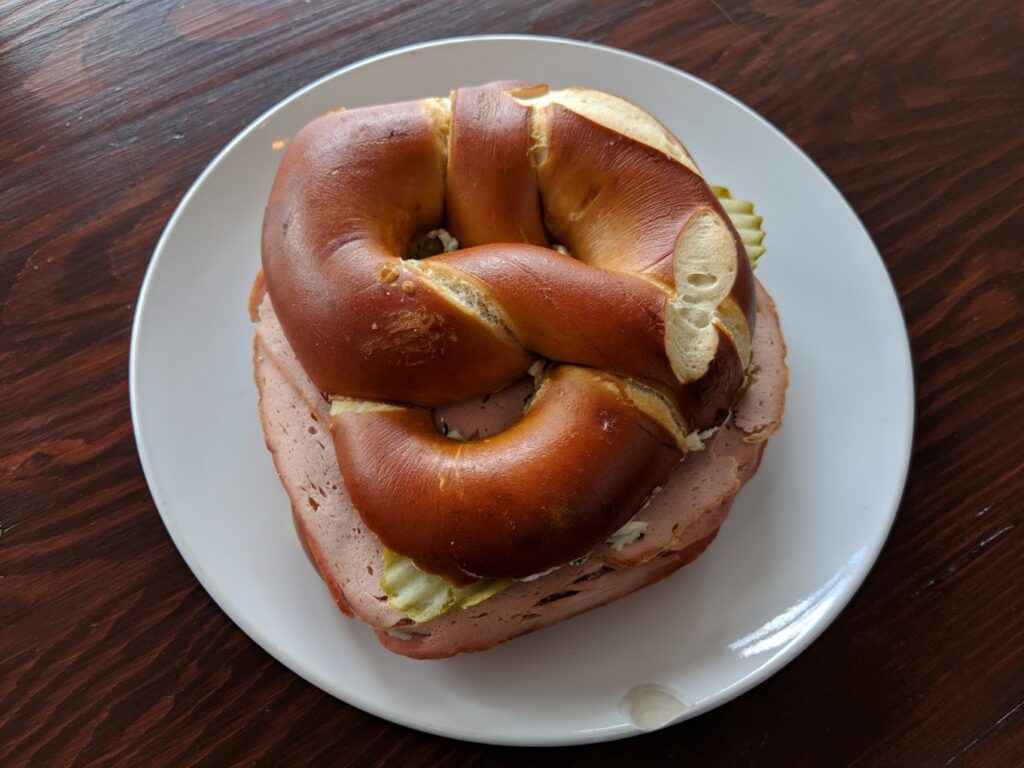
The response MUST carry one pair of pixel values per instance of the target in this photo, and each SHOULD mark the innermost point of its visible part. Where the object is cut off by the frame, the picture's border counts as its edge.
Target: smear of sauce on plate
(651, 706)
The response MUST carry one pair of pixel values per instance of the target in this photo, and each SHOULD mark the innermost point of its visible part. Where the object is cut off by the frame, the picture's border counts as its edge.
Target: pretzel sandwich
(591, 255)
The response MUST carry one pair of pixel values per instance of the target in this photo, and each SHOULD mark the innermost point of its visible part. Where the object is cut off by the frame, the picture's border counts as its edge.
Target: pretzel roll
(646, 320)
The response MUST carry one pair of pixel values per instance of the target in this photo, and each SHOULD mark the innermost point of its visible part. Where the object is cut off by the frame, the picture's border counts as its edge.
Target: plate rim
(310, 674)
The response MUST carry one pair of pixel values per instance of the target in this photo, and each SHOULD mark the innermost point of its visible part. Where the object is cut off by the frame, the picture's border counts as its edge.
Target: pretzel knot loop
(645, 322)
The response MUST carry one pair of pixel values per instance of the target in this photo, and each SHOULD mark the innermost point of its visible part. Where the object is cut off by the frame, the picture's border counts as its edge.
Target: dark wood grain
(110, 652)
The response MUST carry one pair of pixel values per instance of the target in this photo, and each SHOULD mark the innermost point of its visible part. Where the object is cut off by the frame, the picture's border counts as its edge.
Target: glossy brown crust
(625, 337)
(352, 191)
(568, 474)
(492, 194)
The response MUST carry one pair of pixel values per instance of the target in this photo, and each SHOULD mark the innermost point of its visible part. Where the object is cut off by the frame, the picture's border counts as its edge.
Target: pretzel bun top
(647, 323)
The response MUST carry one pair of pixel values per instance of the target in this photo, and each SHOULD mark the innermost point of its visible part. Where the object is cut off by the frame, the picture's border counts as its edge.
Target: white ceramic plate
(800, 539)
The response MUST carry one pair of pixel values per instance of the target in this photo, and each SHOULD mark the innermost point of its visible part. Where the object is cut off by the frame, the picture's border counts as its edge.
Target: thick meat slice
(682, 519)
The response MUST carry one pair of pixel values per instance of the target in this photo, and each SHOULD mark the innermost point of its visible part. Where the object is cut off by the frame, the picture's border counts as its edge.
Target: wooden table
(111, 652)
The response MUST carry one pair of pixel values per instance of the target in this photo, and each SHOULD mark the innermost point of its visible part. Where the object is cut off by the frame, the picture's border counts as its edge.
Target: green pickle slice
(424, 596)
(747, 223)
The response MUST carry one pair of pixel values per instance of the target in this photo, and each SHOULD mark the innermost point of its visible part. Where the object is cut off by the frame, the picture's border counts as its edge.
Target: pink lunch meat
(682, 518)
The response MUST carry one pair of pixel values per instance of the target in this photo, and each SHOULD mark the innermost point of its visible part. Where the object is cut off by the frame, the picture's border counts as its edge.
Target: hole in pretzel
(486, 415)
(432, 243)
(701, 279)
